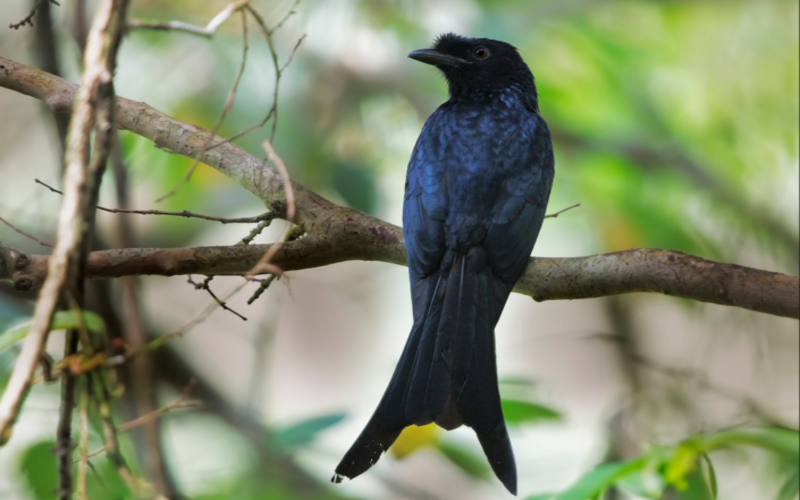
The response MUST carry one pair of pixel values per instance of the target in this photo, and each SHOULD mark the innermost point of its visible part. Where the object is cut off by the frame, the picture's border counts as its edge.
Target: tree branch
(338, 234)
(639, 270)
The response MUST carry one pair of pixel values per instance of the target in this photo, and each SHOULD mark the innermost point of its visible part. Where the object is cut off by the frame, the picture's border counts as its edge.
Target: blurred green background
(675, 126)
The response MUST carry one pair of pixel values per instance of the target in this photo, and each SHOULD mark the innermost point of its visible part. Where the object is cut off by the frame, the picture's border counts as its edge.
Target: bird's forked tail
(447, 373)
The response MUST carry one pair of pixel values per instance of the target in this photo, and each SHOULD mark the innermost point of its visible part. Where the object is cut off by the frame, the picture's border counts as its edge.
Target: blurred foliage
(62, 320)
(685, 469)
(675, 126)
(517, 413)
(302, 433)
(39, 470)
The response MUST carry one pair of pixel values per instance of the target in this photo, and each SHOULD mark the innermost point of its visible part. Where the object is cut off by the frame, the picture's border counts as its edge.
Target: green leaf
(709, 474)
(545, 496)
(305, 431)
(646, 483)
(473, 465)
(777, 439)
(597, 480)
(519, 412)
(791, 488)
(696, 488)
(62, 320)
(682, 463)
(104, 481)
(38, 467)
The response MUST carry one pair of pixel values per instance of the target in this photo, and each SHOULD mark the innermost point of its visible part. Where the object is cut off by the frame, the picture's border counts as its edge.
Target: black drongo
(476, 191)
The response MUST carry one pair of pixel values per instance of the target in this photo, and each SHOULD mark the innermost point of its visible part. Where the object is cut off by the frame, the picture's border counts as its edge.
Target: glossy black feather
(476, 192)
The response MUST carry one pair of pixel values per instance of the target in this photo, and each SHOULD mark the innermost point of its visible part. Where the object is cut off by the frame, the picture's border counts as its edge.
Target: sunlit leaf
(682, 463)
(413, 438)
(473, 465)
(305, 431)
(519, 412)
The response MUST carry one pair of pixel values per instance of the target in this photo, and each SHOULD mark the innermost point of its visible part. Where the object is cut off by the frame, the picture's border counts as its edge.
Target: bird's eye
(480, 52)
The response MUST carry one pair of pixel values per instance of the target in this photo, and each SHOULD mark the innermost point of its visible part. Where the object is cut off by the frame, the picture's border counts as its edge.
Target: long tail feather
(389, 418)
(447, 373)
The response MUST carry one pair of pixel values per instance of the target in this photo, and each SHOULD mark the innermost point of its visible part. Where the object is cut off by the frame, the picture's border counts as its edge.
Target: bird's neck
(513, 95)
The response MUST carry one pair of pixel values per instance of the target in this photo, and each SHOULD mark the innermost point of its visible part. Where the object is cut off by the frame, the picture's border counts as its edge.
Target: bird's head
(477, 65)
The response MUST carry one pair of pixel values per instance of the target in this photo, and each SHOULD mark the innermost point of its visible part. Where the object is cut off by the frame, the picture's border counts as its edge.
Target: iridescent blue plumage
(476, 192)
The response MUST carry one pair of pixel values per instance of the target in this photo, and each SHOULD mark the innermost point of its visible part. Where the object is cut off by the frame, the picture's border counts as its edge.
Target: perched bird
(476, 191)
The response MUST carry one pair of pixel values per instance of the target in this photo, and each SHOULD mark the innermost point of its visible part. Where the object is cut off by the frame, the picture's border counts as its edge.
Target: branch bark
(93, 111)
(337, 234)
(638, 270)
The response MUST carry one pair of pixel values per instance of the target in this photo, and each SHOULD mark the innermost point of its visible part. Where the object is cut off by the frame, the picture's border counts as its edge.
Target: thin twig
(264, 284)
(27, 235)
(268, 32)
(268, 216)
(83, 446)
(79, 365)
(285, 18)
(29, 18)
(181, 402)
(111, 443)
(292, 54)
(255, 232)
(263, 264)
(205, 286)
(273, 110)
(226, 109)
(554, 215)
(149, 417)
(160, 341)
(92, 110)
(205, 31)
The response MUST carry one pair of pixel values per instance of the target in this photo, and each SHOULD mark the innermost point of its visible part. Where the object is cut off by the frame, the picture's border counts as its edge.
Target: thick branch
(337, 234)
(640, 270)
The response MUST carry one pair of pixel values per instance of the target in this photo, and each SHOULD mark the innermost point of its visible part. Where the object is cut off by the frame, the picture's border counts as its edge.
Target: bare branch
(29, 18)
(181, 402)
(639, 270)
(268, 36)
(83, 446)
(265, 283)
(556, 214)
(338, 234)
(90, 113)
(266, 217)
(264, 264)
(27, 235)
(255, 232)
(205, 31)
(225, 110)
(205, 285)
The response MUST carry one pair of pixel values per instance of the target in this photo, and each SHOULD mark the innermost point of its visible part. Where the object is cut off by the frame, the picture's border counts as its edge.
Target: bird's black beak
(435, 58)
